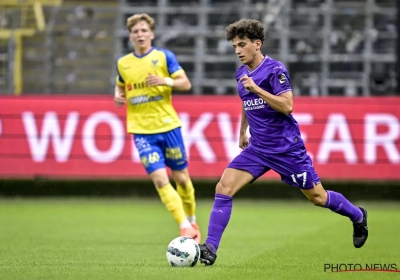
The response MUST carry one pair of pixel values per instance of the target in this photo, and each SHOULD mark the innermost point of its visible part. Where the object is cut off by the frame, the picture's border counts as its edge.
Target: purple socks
(337, 203)
(219, 219)
(222, 209)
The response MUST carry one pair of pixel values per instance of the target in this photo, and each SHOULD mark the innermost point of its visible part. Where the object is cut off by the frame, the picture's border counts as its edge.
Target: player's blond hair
(133, 20)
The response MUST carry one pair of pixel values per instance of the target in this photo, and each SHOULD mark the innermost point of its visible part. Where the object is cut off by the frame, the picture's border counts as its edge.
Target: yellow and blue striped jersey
(149, 108)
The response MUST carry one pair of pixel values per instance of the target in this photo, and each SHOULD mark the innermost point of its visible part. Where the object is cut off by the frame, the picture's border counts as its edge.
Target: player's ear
(258, 44)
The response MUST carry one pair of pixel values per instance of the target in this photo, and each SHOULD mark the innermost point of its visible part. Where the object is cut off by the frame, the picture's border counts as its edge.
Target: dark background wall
(204, 189)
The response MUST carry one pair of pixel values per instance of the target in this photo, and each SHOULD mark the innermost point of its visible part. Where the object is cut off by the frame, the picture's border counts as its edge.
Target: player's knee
(181, 179)
(318, 200)
(223, 188)
(160, 181)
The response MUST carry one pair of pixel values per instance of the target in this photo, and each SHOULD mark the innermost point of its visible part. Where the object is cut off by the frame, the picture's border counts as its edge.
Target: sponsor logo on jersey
(144, 99)
(254, 104)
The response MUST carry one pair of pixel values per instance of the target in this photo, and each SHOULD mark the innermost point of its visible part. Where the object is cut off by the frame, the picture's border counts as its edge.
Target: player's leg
(337, 203)
(296, 169)
(231, 182)
(334, 201)
(176, 159)
(153, 160)
(186, 191)
(242, 170)
(169, 196)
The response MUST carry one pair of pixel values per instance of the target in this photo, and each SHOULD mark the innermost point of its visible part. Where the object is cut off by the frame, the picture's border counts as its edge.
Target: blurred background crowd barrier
(58, 66)
(331, 47)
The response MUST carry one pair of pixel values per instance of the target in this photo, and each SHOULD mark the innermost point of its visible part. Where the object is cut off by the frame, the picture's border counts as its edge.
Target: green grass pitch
(127, 239)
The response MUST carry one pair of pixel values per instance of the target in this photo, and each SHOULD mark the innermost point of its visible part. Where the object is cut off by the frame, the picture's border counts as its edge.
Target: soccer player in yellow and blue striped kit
(144, 83)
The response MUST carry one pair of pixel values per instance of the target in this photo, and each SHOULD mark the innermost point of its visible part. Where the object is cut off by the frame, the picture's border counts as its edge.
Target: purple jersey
(271, 131)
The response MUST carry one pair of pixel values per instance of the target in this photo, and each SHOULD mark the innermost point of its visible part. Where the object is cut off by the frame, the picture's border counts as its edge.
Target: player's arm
(180, 82)
(244, 123)
(243, 139)
(119, 91)
(119, 96)
(177, 77)
(281, 102)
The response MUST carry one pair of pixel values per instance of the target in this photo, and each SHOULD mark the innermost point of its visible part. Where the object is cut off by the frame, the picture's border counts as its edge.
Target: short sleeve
(174, 68)
(119, 80)
(280, 80)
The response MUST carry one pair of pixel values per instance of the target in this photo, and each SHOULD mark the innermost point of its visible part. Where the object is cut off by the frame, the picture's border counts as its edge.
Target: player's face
(245, 49)
(141, 35)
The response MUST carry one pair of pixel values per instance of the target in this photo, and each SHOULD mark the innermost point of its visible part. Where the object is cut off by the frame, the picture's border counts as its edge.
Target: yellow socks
(173, 203)
(188, 199)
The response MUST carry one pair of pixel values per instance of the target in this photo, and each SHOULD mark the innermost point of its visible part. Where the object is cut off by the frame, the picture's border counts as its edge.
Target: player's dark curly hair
(246, 28)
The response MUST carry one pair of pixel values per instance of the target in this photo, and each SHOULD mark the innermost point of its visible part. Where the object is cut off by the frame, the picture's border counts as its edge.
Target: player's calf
(334, 201)
(337, 203)
(232, 180)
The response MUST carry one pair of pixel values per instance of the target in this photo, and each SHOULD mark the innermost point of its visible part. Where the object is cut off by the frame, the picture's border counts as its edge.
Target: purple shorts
(294, 167)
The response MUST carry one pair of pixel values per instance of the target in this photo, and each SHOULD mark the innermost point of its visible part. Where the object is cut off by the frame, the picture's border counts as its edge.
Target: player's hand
(153, 80)
(248, 83)
(243, 141)
(119, 100)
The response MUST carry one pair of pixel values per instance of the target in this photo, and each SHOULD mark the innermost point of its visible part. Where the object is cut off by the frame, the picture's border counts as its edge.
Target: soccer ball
(183, 251)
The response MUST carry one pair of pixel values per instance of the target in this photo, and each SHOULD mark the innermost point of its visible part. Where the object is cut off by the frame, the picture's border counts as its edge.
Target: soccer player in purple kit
(275, 142)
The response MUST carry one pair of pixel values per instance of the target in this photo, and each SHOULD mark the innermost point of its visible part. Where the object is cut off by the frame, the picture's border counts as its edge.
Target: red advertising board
(85, 137)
